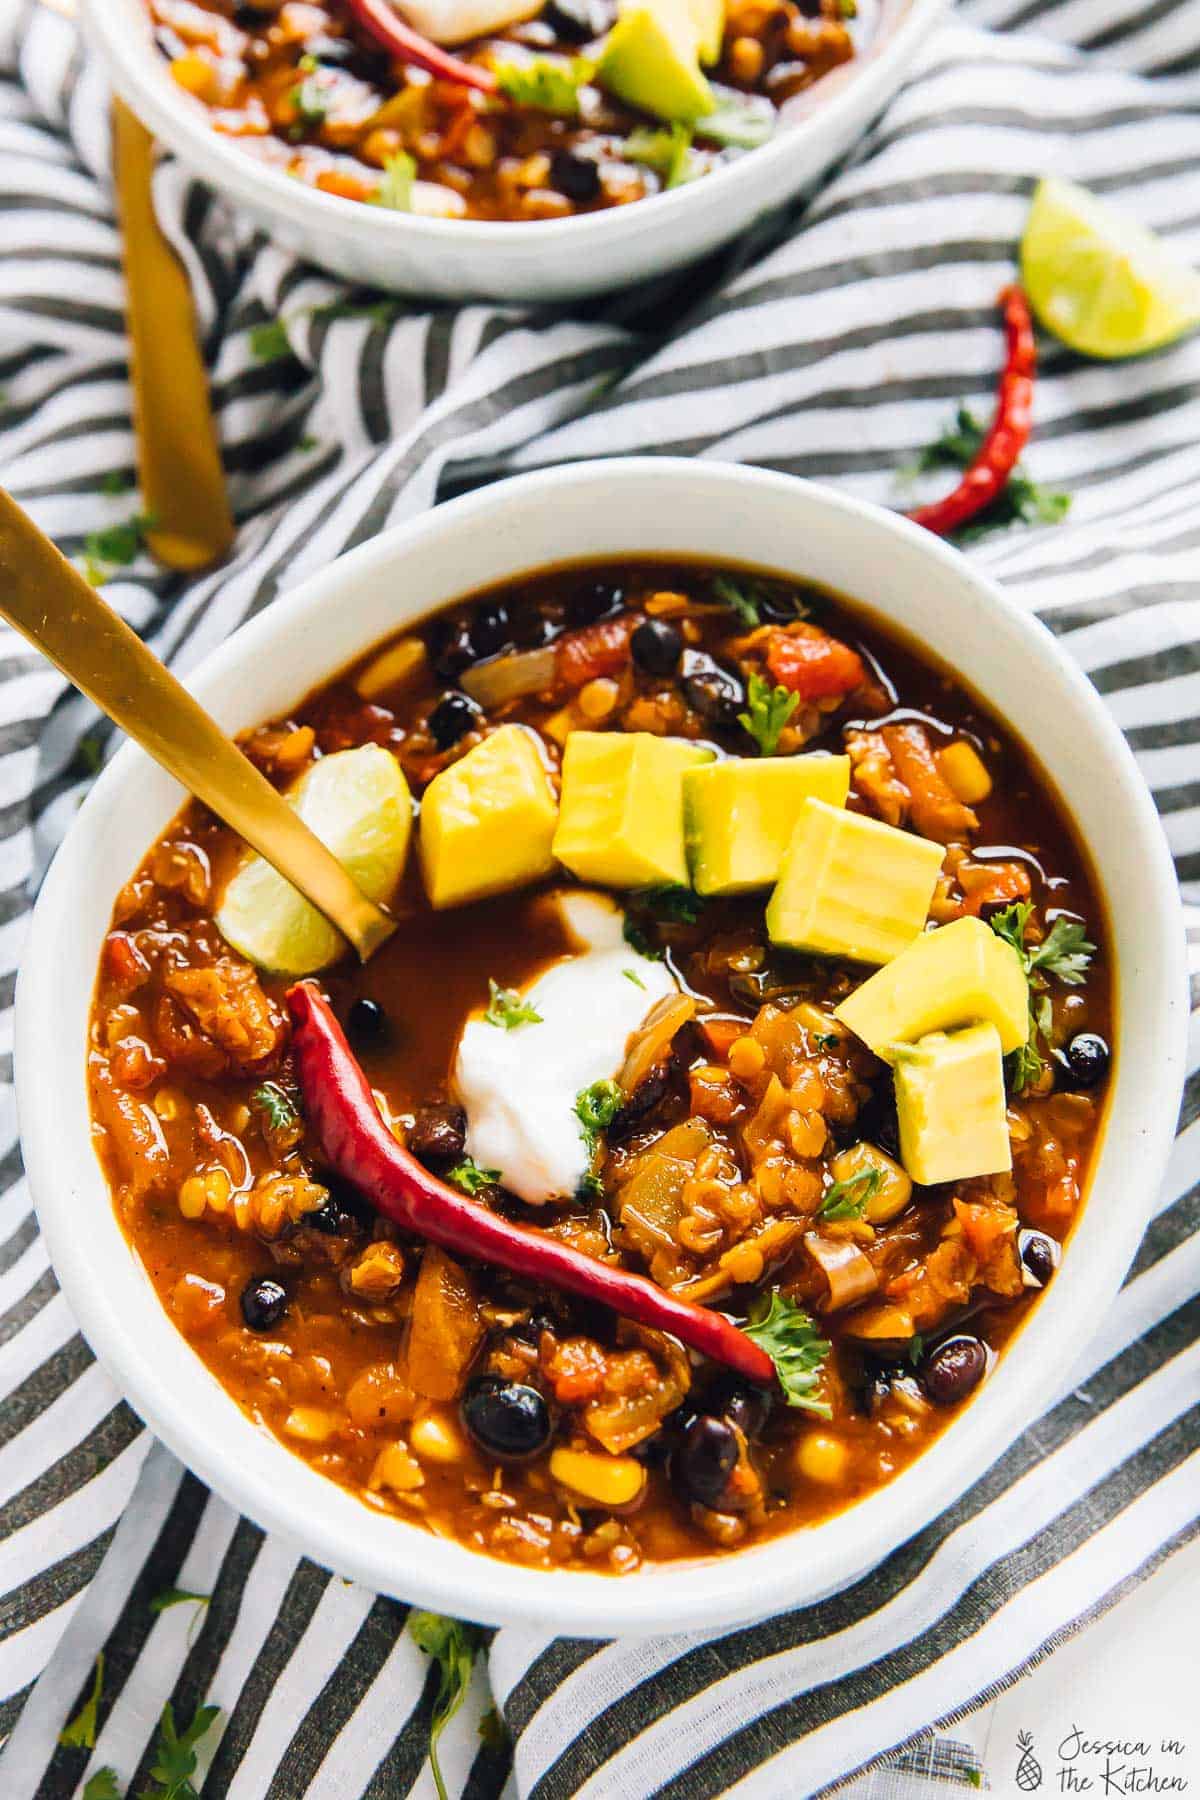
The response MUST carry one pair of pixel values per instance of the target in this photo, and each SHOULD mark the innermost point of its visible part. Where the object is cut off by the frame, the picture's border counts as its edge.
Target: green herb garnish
(738, 121)
(116, 482)
(269, 341)
(282, 1113)
(544, 84)
(668, 152)
(1024, 1065)
(849, 1199)
(468, 1175)
(170, 1597)
(793, 1343)
(768, 710)
(1023, 501)
(596, 1107)
(115, 547)
(453, 1646)
(1065, 952)
(672, 905)
(311, 99)
(507, 1009)
(395, 188)
(493, 1732)
(637, 940)
(632, 975)
(916, 1348)
(102, 1786)
(80, 1734)
(175, 1754)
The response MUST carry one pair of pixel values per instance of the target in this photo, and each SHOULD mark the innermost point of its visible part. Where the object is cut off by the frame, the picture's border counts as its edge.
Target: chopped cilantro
(1065, 951)
(768, 710)
(175, 1754)
(395, 189)
(632, 975)
(848, 1199)
(1023, 501)
(468, 1175)
(281, 1111)
(1025, 1065)
(789, 1337)
(545, 84)
(115, 547)
(174, 1596)
(453, 1646)
(677, 905)
(916, 1348)
(269, 341)
(741, 597)
(596, 1107)
(311, 98)
(739, 121)
(637, 940)
(507, 1009)
(116, 482)
(102, 1785)
(80, 1734)
(667, 151)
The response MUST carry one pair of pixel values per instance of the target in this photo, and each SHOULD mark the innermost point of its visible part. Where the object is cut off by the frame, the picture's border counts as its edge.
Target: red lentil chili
(529, 120)
(308, 1190)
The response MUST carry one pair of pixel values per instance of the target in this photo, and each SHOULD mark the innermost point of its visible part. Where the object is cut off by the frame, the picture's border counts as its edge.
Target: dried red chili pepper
(987, 474)
(359, 1146)
(379, 21)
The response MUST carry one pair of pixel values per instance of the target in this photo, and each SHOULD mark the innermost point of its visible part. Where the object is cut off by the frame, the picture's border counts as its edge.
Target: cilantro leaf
(175, 1754)
(311, 98)
(395, 189)
(80, 1734)
(674, 905)
(668, 152)
(453, 1646)
(281, 1111)
(739, 121)
(1065, 951)
(632, 975)
(507, 1009)
(115, 546)
(741, 597)
(102, 1786)
(848, 1199)
(789, 1337)
(768, 710)
(596, 1107)
(544, 84)
(269, 341)
(637, 940)
(174, 1596)
(468, 1175)
(1023, 501)
(116, 482)
(916, 1349)
(1011, 924)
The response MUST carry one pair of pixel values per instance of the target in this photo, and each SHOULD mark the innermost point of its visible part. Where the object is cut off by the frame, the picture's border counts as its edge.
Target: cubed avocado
(620, 822)
(951, 1107)
(739, 815)
(651, 60)
(957, 975)
(708, 17)
(487, 821)
(851, 886)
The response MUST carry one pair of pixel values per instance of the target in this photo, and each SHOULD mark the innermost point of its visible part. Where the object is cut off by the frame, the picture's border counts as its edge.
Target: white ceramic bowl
(632, 506)
(541, 260)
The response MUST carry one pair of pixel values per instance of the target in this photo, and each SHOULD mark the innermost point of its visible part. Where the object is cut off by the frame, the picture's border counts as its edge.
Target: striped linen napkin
(835, 346)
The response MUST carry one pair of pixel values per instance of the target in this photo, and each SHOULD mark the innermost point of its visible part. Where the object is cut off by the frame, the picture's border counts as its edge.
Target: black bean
(594, 600)
(704, 1460)
(264, 1302)
(505, 1418)
(530, 627)
(657, 646)
(450, 647)
(640, 1104)
(953, 1370)
(739, 1403)
(490, 628)
(366, 1021)
(438, 1133)
(451, 718)
(577, 21)
(1087, 1059)
(1039, 1254)
(716, 693)
(344, 1214)
(578, 177)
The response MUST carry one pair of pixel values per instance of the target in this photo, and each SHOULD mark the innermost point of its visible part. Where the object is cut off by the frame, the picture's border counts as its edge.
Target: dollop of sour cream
(454, 21)
(519, 1087)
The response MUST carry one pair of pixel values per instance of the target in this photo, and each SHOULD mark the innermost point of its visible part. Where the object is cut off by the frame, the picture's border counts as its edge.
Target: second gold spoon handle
(48, 601)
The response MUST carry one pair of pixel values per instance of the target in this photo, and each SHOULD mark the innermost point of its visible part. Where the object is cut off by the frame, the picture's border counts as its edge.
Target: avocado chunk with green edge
(651, 60)
(487, 820)
(957, 975)
(620, 821)
(851, 886)
(739, 815)
(950, 1105)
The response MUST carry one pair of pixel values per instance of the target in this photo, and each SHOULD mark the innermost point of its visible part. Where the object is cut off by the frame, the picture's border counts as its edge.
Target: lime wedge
(1098, 280)
(358, 803)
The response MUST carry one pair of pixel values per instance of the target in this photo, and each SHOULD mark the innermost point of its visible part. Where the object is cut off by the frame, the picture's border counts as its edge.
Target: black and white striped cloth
(835, 347)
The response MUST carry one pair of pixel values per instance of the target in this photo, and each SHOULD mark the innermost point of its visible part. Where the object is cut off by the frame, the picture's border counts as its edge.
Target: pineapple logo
(1029, 1769)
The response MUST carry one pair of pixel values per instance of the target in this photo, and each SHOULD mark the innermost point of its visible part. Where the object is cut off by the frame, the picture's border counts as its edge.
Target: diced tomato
(600, 649)
(126, 964)
(813, 664)
(937, 812)
(987, 885)
(720, 1033)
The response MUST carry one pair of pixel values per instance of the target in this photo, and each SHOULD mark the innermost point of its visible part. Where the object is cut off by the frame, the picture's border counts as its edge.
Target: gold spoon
(48, 601)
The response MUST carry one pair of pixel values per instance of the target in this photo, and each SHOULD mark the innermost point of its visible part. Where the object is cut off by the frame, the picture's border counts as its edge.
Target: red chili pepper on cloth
(359, 1146)
(379, 21)
(987, 475)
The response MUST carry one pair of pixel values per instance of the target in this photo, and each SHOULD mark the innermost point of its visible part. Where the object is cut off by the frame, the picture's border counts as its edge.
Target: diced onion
(850, 1274)
(650, 1043)
(510, 677)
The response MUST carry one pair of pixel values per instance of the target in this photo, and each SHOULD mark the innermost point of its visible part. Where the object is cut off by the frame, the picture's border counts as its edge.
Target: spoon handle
(46, 599)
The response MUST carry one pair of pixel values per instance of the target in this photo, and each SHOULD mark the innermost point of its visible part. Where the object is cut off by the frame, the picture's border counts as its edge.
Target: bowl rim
(143, 1351)
(145, 86)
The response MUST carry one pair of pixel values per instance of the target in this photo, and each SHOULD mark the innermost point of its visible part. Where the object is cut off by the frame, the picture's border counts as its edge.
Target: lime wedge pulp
(357, 802)
(1098, 280)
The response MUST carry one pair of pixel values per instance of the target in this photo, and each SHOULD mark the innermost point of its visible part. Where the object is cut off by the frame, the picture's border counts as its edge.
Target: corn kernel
(399, 663)
(746, 1058)
(191, 1197)
(597, 699)
(396, 1468)
(561, 724)
(745, 59)
(604, 1480)
(892, 1192)
(964, 771)
(310, 1423)
(434, 1438)
(821, 1458)
(195, 74)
